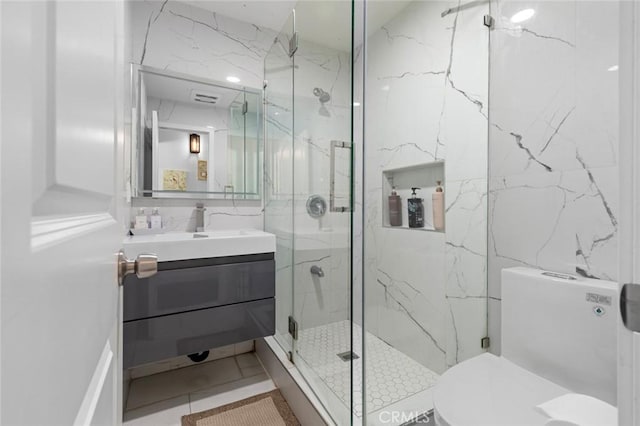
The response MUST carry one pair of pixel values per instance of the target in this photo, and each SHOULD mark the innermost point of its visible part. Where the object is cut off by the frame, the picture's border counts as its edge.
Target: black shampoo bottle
(416, 210)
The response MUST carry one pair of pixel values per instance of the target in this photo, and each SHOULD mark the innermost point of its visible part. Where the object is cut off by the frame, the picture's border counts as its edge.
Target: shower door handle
(630, 306)
(335, 145)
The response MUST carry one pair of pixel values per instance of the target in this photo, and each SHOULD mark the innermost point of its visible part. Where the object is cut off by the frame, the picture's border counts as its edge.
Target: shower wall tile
(182, 38)
(466, 326)
(427, 100)
(553, 186)
(412, 313)
(561, 221)
(466, 268)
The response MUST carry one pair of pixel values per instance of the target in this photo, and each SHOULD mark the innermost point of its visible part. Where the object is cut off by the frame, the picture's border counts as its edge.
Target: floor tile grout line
(190, 392)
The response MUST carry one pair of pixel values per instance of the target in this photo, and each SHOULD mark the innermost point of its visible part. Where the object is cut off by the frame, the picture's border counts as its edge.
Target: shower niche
(424, 176)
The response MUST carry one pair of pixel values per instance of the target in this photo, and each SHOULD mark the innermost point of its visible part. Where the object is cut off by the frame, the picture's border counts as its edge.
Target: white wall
(183, 38)
(184, 114)
(553, 200)
(173, 154)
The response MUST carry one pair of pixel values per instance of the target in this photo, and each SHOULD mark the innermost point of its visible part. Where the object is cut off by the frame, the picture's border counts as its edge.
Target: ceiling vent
(205, 97)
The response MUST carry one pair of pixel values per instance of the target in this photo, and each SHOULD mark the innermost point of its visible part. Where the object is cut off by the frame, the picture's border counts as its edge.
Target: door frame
(629, 230)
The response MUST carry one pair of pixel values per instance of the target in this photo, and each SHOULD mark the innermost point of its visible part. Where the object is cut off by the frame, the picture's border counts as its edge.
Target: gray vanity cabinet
(190, 306)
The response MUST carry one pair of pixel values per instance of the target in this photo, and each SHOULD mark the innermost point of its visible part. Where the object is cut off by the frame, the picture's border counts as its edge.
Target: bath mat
(267, 409)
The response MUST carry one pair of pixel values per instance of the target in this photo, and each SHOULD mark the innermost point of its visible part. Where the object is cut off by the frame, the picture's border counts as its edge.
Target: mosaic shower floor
(391, 376)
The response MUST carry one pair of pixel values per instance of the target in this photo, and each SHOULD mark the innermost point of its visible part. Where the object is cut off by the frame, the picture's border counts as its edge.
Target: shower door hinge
(485, 342)
(293, 328)
(245, 107)
(488, 21)
(293, 44)
(265, 83)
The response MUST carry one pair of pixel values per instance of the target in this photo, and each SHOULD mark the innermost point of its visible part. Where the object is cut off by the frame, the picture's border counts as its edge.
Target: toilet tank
(562, 328)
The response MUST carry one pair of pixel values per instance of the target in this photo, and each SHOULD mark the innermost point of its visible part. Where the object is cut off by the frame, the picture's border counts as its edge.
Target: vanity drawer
(179, 289)
(169, 336)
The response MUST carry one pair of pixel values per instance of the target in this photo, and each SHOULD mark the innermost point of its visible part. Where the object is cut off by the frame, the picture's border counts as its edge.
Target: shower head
(323, 96)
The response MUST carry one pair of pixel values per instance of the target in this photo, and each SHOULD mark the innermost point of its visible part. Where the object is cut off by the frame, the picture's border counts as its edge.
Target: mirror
(195, 138)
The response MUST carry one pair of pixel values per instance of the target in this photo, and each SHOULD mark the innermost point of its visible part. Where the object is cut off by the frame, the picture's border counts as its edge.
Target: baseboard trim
(295, 390)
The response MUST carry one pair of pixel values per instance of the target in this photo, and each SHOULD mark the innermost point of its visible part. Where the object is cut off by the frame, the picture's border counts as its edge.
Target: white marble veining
(180, 37)
(553, 200)
(426, 100)
(180, 216)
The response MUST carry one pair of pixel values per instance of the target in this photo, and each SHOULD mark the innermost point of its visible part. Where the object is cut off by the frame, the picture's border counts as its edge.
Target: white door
(61, 109)
(629, 341)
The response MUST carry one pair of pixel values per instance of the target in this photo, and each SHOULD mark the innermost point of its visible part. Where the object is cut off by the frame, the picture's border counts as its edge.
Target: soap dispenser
(395, 208)
(416, 210)
(437, 199)
(141, 220)
(156, 220)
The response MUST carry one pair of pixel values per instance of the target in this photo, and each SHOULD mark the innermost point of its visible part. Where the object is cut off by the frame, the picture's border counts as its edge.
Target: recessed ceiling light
(209, 127)
(356, 104)
(233, 79)
(523, 15)
(613, 68)
(277, 113)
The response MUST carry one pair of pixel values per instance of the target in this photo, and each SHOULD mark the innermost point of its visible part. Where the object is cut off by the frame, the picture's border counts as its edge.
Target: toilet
(558, 338)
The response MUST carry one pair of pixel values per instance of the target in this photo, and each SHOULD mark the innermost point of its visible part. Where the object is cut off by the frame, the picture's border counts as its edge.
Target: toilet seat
(492, 391)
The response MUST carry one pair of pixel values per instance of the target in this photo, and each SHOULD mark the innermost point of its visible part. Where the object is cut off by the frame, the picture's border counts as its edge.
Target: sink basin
(197, 245)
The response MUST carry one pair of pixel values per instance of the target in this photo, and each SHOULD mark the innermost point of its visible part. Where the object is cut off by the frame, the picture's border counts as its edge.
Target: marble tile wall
(553, 177)
(426, 100)
(183, 38)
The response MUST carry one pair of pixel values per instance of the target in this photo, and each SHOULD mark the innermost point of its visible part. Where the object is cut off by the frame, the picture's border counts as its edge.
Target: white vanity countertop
(198, 245)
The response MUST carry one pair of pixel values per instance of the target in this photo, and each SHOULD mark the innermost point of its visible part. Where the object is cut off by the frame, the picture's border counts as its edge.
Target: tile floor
(162, 399)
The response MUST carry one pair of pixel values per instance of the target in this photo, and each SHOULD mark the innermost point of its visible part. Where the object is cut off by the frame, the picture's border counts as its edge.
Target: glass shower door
(278, 184)
(321, 208)
(308, 195)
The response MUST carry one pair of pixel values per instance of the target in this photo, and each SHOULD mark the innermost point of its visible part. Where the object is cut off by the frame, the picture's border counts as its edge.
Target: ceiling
(312, 16)
(179, 90)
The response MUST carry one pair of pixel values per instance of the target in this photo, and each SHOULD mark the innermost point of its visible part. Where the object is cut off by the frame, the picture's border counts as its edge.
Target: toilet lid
(490, 390)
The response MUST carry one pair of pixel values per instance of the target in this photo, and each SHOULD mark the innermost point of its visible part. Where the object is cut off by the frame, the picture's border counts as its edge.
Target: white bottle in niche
(156, 220)
(437, 199)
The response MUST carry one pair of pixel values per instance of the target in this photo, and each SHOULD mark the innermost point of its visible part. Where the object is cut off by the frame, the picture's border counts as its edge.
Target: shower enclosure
(365, 97)
(372, 314)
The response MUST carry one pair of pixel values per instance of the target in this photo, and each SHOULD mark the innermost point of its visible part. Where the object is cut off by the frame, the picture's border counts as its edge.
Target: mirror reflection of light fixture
(194, 143)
